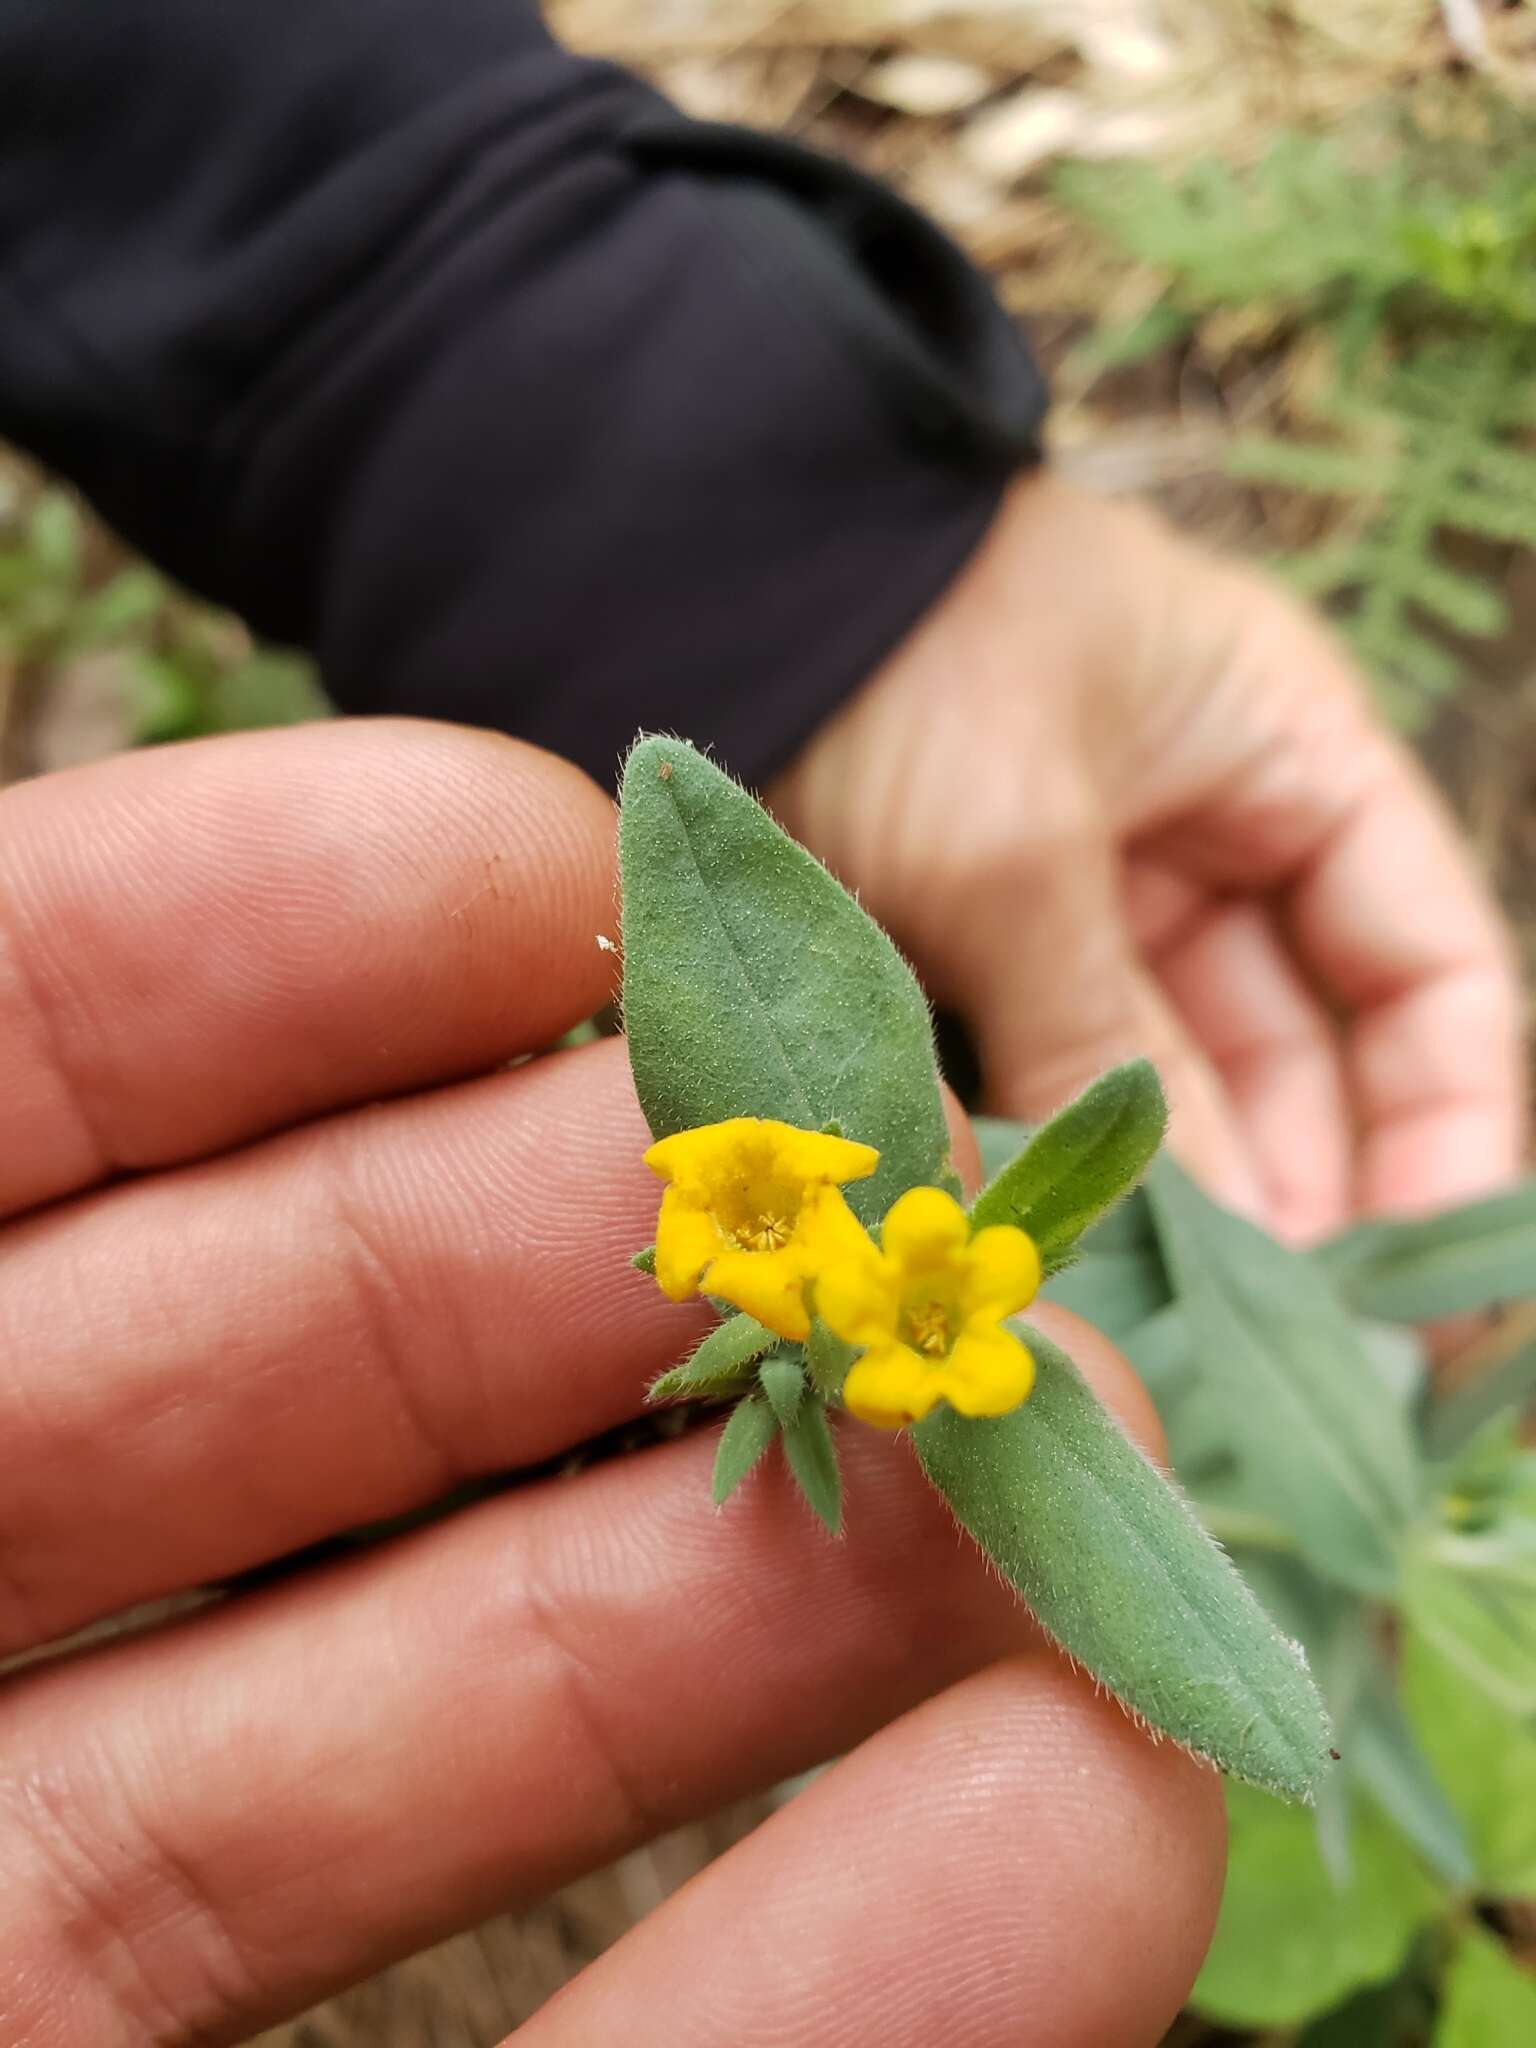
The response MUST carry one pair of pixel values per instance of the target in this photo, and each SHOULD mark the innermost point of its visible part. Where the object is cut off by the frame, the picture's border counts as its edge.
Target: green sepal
(782, 1380)
(1087, 1158)
(812, 1456)
(827, 1359)
(724, 1359)
(754, 985)
(750, 1428)
(645, 1261)
(1114, 1565)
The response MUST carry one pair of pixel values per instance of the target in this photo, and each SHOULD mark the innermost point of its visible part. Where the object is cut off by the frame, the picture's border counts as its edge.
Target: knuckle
(107, 1922)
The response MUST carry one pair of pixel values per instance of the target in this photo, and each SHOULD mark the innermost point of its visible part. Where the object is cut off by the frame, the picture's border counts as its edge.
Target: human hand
(288, 1249)
(1115, 795)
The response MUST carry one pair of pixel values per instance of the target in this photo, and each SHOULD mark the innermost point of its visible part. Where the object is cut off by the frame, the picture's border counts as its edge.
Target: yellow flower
(751, 1210)
(927, 1308)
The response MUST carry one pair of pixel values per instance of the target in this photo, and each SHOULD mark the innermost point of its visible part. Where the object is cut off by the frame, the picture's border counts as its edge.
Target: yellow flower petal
(891, 1386)
(987, 1373)
(924, 1229)
(697, 1157)
(817, 1155)
(768, 1285)
(831, 1238)
(686, 1241)
(1002, 1272)
(747, 1147)
(858, 1297)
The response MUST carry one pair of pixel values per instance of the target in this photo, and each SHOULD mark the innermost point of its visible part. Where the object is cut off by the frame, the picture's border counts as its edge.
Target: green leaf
(812, 1456)
(1508, 1388)
(1118, 1292)
(1484, 1756)
(755, 986)
(129, 600)
(1160, 1348)
(1490, 2002)
(722, 1360)
(827, 1359)
(1447, 1265)
(1298, 1397)
(1081, 1163)
(1385, 1754)
(1289, 1942)
(1116, 346)
(1114, 1565)
(1332, 1627)
(56, 536)
(1128, 1227)
(783, 1381)
(1470, 1585)
(1387, 2016)
(998, 1138)
(267, 688)
(750, 1428)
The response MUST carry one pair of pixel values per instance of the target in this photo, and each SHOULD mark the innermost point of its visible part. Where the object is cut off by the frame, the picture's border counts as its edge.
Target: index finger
(209, 942)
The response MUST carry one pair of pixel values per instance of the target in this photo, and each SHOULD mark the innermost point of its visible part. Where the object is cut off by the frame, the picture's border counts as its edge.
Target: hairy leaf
(1081, 1163)
(812, 1453)
(723, 1360)
(783, 1382)
(1114, 1565)
(750, 1428)
(755, 986)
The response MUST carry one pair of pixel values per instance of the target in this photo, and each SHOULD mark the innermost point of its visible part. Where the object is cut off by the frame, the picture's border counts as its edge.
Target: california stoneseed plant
(783, 1056)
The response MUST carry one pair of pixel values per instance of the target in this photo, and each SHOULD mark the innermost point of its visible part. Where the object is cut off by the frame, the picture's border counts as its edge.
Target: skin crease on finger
(511, 1697)
(202, 944)
(397, 1299)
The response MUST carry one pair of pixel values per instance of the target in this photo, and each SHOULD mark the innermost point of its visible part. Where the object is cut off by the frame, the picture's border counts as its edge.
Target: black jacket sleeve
(472, 367)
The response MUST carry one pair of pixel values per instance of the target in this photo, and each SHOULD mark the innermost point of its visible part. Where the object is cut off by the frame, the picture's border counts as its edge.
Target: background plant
(1410, 264)
(74, 608)
(1391, 1528)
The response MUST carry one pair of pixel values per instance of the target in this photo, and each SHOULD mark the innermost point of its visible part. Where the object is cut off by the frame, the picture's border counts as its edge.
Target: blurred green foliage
(1410, 261)
(182, 669)
(1370, 1921)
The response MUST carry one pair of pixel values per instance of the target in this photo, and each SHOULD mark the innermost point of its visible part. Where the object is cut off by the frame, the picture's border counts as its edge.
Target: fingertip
(1015, 1860)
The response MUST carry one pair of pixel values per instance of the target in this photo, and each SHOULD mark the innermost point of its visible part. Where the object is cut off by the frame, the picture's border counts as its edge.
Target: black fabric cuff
(538, 406)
